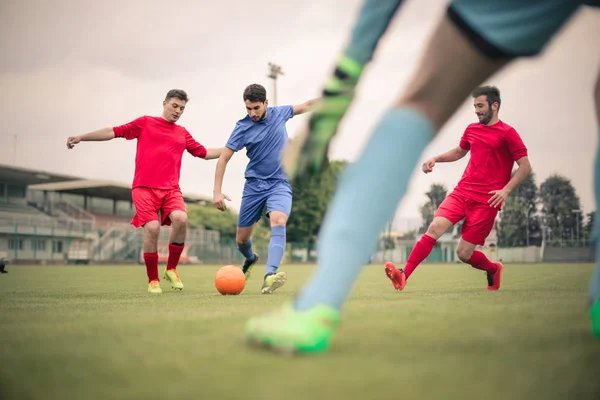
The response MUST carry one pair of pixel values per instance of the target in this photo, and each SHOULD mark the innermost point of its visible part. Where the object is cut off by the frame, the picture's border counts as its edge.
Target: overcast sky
(69, 67)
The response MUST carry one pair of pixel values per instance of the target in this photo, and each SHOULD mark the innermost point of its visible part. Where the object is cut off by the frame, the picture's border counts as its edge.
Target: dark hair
(178, 93)
(491, 92)
(255, 92)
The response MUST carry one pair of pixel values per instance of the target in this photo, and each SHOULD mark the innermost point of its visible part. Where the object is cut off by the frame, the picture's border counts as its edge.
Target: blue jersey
(264, 141)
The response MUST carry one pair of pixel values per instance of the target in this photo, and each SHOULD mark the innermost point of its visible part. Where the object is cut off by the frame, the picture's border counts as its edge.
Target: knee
(278, 219)
(435, 229)
(464, 254)
(179, 220)
(152, 229)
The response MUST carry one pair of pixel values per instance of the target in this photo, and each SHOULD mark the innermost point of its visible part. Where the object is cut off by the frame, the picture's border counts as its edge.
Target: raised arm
(450, 156)
(96, 136)
(306, 106)
(218, 197)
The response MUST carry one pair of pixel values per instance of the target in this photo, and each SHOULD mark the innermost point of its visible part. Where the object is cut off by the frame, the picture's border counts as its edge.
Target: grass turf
(93, 332)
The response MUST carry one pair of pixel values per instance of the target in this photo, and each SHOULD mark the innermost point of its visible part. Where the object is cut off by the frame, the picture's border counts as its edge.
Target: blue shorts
(512, 28)
(276, 194)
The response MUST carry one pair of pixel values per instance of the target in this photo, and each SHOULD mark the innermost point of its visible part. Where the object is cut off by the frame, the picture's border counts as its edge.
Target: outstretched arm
(306, 106)
(211, 154)
(95, 136)
(218, 197)
(450, 156)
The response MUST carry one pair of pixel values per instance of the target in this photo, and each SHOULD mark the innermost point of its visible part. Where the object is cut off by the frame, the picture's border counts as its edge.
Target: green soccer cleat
(595, 316)
(273, 282)
(248, 264)
(287, 331)
(172, 276)
(154, 287)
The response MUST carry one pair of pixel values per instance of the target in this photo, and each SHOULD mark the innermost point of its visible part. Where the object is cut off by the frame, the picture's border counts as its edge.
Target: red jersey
(160, 148)
(494, 150)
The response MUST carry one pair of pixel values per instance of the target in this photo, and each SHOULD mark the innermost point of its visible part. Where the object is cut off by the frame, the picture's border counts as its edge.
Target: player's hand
(219, 201)
(428, 165)
(72, 141)
(498, 197)
(306, 155)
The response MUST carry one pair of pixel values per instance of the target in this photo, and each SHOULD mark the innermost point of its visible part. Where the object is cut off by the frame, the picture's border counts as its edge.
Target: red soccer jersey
(160, 148)
(494, 150)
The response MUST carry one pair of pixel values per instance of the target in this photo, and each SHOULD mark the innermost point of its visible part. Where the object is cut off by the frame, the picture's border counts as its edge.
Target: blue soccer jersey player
(263, 133)
(474, 40)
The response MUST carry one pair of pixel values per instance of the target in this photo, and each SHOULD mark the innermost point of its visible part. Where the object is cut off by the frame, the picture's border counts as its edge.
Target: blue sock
(595, 282)
(367, 195)
(276, 248)
(246, 249)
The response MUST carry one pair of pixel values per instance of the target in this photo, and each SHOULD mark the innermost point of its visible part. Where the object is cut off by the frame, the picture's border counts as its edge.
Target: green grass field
(92, 332)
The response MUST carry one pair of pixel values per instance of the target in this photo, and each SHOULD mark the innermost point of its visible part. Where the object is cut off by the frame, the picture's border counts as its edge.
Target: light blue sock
(595, 282)
(246, 249)
(366, 197)
(276, 248)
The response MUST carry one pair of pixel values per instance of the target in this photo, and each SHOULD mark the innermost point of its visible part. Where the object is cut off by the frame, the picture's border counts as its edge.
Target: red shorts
(148, 202)
(479, 217)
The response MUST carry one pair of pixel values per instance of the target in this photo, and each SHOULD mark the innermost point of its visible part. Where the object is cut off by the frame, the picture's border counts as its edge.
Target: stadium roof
(100, 188)
(16, 175)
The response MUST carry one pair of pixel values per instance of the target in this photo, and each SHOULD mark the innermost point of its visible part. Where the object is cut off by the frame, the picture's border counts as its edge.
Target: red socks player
(155, 188)
(481, 192)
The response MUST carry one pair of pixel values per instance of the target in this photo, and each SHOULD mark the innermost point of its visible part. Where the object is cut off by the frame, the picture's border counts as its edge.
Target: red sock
(151, 260)
(420, 252)
(174, 254)
(480, 261)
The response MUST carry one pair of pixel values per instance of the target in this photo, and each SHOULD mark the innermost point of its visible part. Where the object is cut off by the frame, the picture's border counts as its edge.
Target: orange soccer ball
(230, 280)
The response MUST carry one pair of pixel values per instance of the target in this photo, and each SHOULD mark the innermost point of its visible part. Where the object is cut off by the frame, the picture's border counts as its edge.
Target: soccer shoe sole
(279, 280)
(390, 269)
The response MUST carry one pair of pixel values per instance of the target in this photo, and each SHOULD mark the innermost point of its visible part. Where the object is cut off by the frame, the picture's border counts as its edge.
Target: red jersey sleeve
(193, 147)
(464, 143)
(131, 130)
(516, 147)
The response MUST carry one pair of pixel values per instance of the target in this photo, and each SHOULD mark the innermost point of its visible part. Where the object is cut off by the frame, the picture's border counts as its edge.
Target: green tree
(519, 225)
(589, 226)
(310, 204)
(559, 201)
(436, 194)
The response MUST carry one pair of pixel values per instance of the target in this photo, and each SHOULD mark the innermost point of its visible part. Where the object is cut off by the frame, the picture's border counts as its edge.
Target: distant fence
(123, 244)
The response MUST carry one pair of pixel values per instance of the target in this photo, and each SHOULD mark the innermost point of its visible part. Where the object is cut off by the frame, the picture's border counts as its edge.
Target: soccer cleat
(595, 316)
(397, 276)
(306, 155)
(154, 287)
(273, 282)
(172, 276)
(247, 267)
(494, 279)
(287, 331)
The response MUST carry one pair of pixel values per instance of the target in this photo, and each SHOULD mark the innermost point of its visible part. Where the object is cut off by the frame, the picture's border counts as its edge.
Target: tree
(436, 194)
(559, 201)
(310, 204)
(519, 225)
(589, 226)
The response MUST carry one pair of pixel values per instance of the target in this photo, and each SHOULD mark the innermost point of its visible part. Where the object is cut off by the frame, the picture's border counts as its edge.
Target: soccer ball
(230, 280)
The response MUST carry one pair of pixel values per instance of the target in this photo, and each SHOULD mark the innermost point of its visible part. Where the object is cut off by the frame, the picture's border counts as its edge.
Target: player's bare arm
(97, 136)
(211, 154)
(306, 106)
(218, 197)
(450, 156)
(499, 196)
